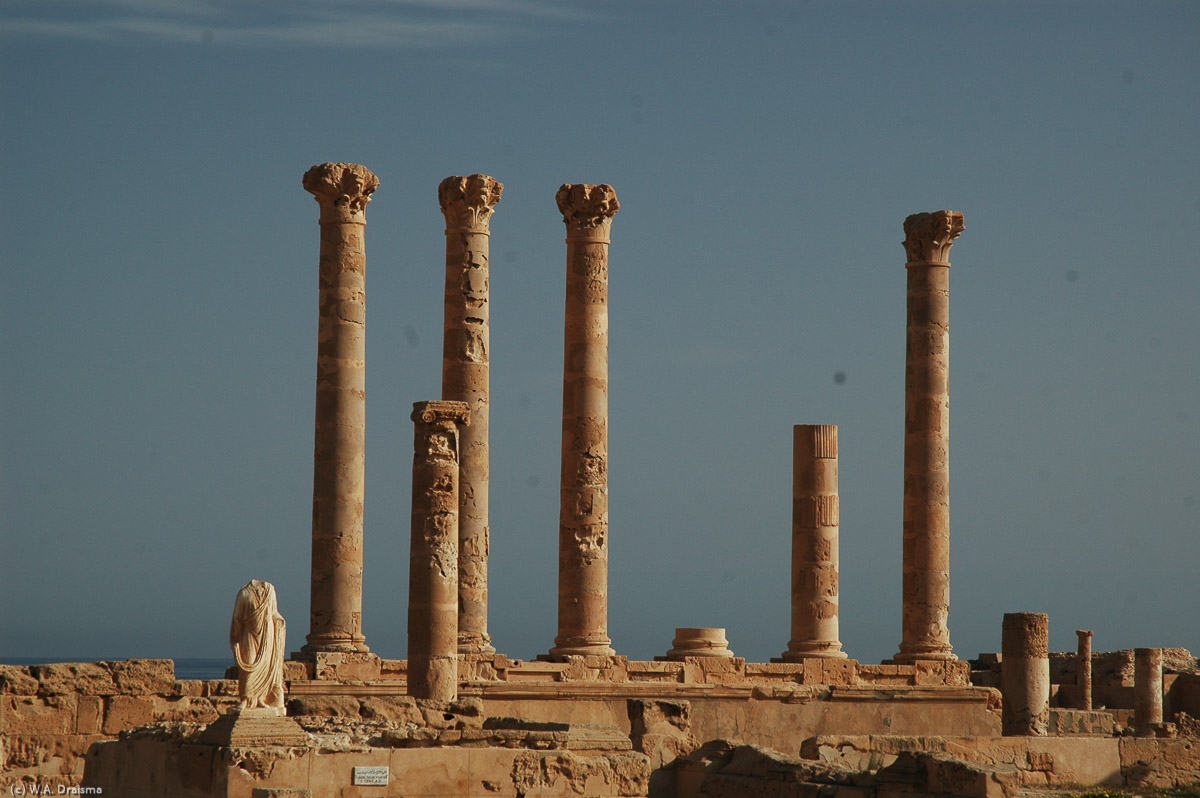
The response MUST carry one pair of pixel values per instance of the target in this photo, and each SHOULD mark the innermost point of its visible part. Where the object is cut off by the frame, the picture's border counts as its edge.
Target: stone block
(15, 680)
(839, 671)
(346, 667)
(394, 709)
(34, 716)
(254, 728)
(294, 671)
(63, 678)
(124, 712)
(184, 709)
(89, 717)
(143, 676)
(329, 706)
(188, 687)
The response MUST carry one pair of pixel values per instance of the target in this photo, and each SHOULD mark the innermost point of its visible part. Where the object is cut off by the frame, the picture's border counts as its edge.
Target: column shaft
(926, 550)
(1025, 674)
(433, 551)
(335, 621)
(815, 511)
(583, 515)
(1083, 670)
(1147, 690)
(467, 204)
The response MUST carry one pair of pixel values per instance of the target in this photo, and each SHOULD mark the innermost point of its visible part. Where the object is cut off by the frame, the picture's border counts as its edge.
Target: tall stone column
(1025, 674)
(814, 543)
(467, 203)
(1083, 669)
(583, 513)
(1147, 690)
(433, 550)
(926, 582)
(335, 615)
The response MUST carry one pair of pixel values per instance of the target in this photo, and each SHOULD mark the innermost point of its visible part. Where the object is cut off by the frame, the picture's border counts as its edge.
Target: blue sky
(159, 323)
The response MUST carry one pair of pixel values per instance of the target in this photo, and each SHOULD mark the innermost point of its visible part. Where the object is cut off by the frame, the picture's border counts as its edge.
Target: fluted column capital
(587, 210)
(342, 190)
(468, 202)
(929, 236)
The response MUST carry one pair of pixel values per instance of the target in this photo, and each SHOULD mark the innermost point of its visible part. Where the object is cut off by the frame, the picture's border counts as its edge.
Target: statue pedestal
(254, 728)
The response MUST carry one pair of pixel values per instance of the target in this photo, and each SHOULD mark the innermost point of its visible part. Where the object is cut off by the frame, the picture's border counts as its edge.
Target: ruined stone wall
(51, 714)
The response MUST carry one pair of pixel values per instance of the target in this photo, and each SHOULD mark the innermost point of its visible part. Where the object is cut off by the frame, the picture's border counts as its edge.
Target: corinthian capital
(587, 209)
(929, 236)
(468, 202)
(342, 189)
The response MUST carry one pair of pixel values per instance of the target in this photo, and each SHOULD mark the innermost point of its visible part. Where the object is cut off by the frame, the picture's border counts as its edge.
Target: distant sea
(185, 668)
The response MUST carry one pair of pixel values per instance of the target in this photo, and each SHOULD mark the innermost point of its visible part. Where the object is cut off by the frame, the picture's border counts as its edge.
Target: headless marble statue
(257, 637)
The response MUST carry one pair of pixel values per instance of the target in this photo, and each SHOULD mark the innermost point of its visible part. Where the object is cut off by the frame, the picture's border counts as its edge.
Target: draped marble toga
(257, 637)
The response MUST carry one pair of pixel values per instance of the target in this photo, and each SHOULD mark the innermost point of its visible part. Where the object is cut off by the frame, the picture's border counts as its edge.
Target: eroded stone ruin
(458, 717)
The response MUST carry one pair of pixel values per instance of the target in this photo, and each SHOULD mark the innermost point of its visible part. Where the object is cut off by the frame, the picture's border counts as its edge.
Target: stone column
(583, 511)
(1083, 669)
(1025, 674)
(1147, 690)
(335, 616)
(814, 543)
(433, 552)
(926, 582)
(467, 204)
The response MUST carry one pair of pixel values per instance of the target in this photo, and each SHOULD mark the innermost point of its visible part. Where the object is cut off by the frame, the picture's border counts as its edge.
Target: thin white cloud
(406, 24)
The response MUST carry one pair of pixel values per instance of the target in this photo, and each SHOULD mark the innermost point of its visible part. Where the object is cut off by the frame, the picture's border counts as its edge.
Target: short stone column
(433, 551)
(699, 641)
(1083, 669)
(814, 543)
(1025, 674)
(1147, 691)
(467, 204)
(335, 611)
(583, 511)
(926, 551)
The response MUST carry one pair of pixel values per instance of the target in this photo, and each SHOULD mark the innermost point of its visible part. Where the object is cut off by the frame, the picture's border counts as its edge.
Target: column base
(338, 645)
(798, 652)
(581, 647)
(912, 653)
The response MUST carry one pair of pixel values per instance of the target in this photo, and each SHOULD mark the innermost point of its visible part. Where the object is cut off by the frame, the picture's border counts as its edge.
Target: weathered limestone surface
(1148, 690)
(1025, 674)
(1083, 670)
(51, 714)
(699, 642)
(583, 514)
(335, 624)
(468, 204)
(433, 554)
(815, 523)
(926, 582)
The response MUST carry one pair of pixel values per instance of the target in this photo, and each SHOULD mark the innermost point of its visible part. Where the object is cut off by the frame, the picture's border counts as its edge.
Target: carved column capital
(468, 202)
(929, 236)
(343, 191)
(437, 423)
(587, 209)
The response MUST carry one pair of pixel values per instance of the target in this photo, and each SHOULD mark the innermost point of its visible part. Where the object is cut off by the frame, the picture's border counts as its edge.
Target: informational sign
(371, 776)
